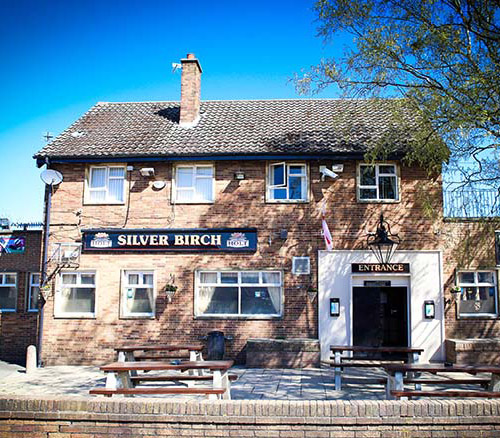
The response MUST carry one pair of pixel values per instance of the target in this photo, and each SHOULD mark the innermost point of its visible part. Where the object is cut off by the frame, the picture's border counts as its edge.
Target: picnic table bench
(152, 352)
(369, 357)
(119, 379)
(396, 380)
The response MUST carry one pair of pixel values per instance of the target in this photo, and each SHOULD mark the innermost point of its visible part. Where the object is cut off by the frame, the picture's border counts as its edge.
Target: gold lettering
(179, 239)
(205, 240)
(163, 240)
(122, 240)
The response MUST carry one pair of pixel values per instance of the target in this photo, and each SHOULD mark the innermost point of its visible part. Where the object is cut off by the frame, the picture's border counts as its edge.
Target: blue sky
(61, 57)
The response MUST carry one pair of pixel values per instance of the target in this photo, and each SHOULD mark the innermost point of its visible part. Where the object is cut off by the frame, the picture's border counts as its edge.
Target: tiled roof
(232, 127)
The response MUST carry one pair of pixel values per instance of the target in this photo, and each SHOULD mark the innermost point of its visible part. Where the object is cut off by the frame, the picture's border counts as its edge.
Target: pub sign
(171, 240)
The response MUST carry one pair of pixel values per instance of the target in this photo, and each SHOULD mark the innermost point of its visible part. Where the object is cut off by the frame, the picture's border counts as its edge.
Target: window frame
(16, 284)
(30, 285)
(76, 315)
(124, 284)
(107, 201)
(270, 187)
(359, 186)
(174, 197)
(477, 284)
(239, 315)
(297, 259)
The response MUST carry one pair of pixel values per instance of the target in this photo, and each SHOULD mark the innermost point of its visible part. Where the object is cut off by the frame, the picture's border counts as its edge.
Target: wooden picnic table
(368, 358)
(396, 372)
(119, 378)
(128, 353)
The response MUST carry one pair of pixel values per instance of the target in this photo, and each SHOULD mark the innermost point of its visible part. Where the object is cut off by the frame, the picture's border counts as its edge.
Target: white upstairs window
(194, 183)
(287, 182)
(378, 182)
(106, 185)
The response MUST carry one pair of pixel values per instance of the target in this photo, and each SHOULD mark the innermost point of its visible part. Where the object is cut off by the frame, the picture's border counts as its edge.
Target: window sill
(150, 317)
(8, 310)
(75, 316)
(191, 202)
(486, 316)
(286, 201)
(378, 201)
(240, 317)
(103, 203)
(32, 310)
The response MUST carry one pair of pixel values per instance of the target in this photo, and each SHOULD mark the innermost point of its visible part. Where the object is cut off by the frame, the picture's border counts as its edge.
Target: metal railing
(479, 203)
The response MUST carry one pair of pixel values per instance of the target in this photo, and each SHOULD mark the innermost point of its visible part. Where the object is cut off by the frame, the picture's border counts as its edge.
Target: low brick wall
(96, 417)
(472, 351)
(283, 353)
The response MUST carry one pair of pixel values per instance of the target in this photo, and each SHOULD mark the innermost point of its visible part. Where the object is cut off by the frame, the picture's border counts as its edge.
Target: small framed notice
(334, 307)
(429, 310)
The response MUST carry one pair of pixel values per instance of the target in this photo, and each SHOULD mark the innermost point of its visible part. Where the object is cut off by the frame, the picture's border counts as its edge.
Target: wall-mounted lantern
(335, 307)
(382, 242)
(239, 175)
(429, 309)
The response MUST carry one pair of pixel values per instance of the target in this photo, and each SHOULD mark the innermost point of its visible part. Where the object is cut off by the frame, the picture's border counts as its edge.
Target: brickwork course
(74, 417)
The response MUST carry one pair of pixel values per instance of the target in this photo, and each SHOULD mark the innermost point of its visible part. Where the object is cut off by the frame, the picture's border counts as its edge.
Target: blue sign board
(173, 240)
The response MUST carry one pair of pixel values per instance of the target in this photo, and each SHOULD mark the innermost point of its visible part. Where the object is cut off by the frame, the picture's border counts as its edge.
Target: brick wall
(238, 203)
(468, 245)
(85, 418)
(18, 329)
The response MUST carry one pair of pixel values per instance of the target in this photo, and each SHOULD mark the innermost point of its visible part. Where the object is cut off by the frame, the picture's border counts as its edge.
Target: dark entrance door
(380, 317)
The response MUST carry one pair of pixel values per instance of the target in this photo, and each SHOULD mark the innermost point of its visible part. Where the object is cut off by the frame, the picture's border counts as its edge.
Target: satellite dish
(51, 177)
(159, 184)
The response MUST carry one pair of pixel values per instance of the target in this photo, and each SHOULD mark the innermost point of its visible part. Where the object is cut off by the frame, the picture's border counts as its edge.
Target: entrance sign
(396, 268)
(171, 240)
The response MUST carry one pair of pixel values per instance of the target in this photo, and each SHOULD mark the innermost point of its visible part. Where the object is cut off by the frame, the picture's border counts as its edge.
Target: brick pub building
(176, 219)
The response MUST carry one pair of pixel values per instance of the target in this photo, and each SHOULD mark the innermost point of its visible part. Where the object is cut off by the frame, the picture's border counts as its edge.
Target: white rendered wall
(424, 283)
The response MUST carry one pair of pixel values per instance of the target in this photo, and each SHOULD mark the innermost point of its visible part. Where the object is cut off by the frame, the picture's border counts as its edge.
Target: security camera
(327, 172)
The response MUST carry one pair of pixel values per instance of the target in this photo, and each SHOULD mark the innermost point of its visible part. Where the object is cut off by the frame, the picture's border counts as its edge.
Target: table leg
(494, 383)
(414, 358)
(120, 379)
(221, 381)
(338, 371)
(394, 383)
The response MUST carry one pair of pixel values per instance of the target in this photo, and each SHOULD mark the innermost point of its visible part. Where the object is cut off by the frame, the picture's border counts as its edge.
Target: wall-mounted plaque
(164, 240)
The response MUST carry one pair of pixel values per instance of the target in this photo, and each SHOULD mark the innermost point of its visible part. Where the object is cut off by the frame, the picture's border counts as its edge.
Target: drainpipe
(48, 202)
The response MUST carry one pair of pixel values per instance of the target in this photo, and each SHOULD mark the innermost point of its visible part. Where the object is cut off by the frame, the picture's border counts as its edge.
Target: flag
(326, 231)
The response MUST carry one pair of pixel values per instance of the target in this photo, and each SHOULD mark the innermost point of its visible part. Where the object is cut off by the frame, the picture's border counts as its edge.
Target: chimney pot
(190, 56)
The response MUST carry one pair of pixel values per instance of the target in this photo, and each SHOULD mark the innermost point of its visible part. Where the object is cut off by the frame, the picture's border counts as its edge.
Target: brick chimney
(190, 91)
